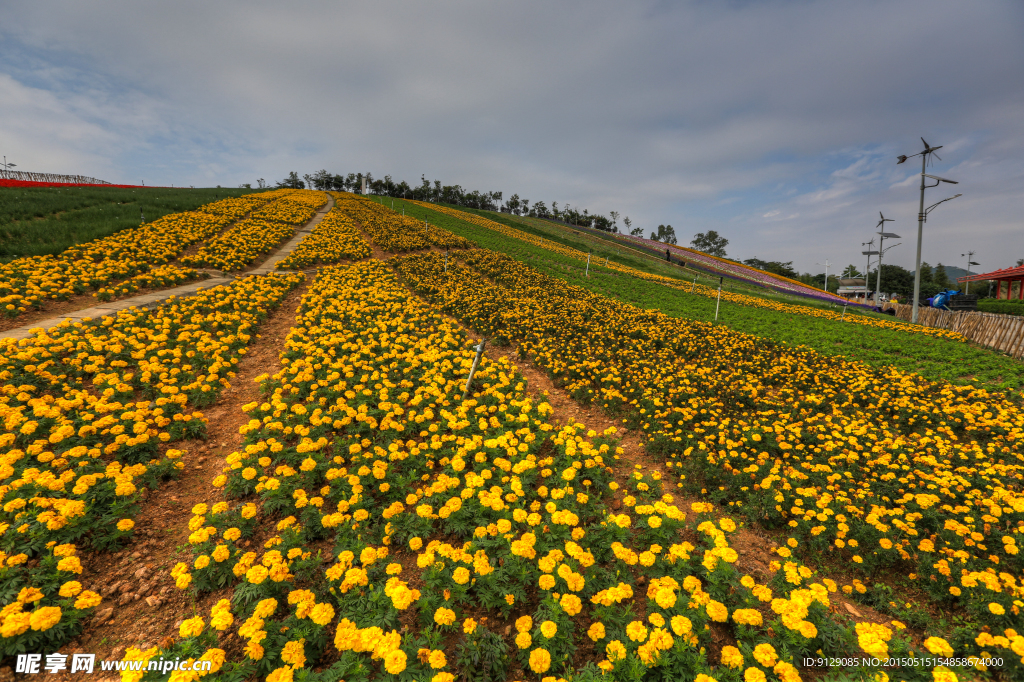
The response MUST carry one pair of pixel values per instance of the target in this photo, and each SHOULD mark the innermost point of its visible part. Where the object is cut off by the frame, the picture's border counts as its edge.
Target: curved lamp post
(922, 214)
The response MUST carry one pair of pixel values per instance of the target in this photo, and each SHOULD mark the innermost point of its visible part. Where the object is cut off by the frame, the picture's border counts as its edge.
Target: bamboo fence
(57, 178)
(1001, 332)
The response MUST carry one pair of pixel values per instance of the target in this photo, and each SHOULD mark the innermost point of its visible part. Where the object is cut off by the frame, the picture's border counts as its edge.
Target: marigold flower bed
(335, 238)
(407, 527)
(393, 231)
(239, 246)
(87, 413)
(27, 282)
(885, 471)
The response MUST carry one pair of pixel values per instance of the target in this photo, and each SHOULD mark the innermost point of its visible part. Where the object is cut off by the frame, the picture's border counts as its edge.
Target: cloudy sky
(776, 123)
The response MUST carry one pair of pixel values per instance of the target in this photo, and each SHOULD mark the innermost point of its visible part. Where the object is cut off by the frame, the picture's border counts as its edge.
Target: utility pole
(970, 255)
(881, 252)
(922, 214)
(867, 267)
(827, 265)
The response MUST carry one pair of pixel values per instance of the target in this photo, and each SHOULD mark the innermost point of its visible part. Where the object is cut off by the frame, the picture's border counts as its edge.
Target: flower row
(696, 288)
(334, 239)
(393, 231)
(240, 245)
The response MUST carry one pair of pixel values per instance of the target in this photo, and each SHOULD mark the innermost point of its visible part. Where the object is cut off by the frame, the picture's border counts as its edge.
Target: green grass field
(37, 221)
(933, 358)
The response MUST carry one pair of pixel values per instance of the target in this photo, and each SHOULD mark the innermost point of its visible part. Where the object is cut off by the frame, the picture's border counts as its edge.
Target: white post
(719, 302)
(588, 265)
(844, 312)
(446, 261)
(472, 371)
(694, 286)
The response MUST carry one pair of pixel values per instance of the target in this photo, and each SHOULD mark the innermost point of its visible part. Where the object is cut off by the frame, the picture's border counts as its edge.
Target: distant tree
(1020, 262)
(710, 242)
(615, 219)
(292, 182)
(321, 180)
(773, 266)
(261, 183)
(665, 233)
(898, 280)
(848, 272)
(539, 210)
(245, 185)
(513, 205)
(309, 179)
(938, 277)
(927, 274)
(637, 232)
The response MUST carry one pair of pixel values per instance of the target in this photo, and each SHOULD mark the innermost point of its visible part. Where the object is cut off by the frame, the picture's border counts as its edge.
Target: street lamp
(867, 267)
(8, 166)
(969, 255)
(922, 214)
(826, 264)
(881, 252)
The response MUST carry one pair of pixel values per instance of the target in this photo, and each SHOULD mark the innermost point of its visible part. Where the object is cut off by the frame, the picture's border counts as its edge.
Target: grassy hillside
(37, 221)
(934, 358)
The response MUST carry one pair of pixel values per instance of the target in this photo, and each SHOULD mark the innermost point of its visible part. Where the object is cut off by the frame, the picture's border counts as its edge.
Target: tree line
(456, 195)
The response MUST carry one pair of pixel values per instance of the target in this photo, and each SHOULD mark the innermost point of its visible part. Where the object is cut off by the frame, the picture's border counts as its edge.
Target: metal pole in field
(719, 302)
(588, 265)
(446, 261)
(476, 361)
(694, 285)
(844, 312)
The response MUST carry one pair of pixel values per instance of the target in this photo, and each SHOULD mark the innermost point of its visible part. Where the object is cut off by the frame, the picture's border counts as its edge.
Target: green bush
(1003, 307)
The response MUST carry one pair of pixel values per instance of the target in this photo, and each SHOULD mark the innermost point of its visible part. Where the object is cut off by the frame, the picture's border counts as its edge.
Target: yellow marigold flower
(547, 581)
(444, 616)
(717, 611)
(524, 640)
(754, 675)
(548, 628)
(571, 604)
(596, 631)
(45, 617)
(415, 544)
(732, 657)
(636, 631)
(615, 650)
(681, 625)
(540, 660)
(461, 575)
(294, 653)
(765, 654)
(87, 600)
(747, 617)
(285, 674)
(68, 589)
(27, 595)
(322, 614)
(996, 608)
(524, 623)
(443, 677)
(437, 659)
(395, 661)
(469, 626)
(938, 646)
(193, 627)
(125, 525)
